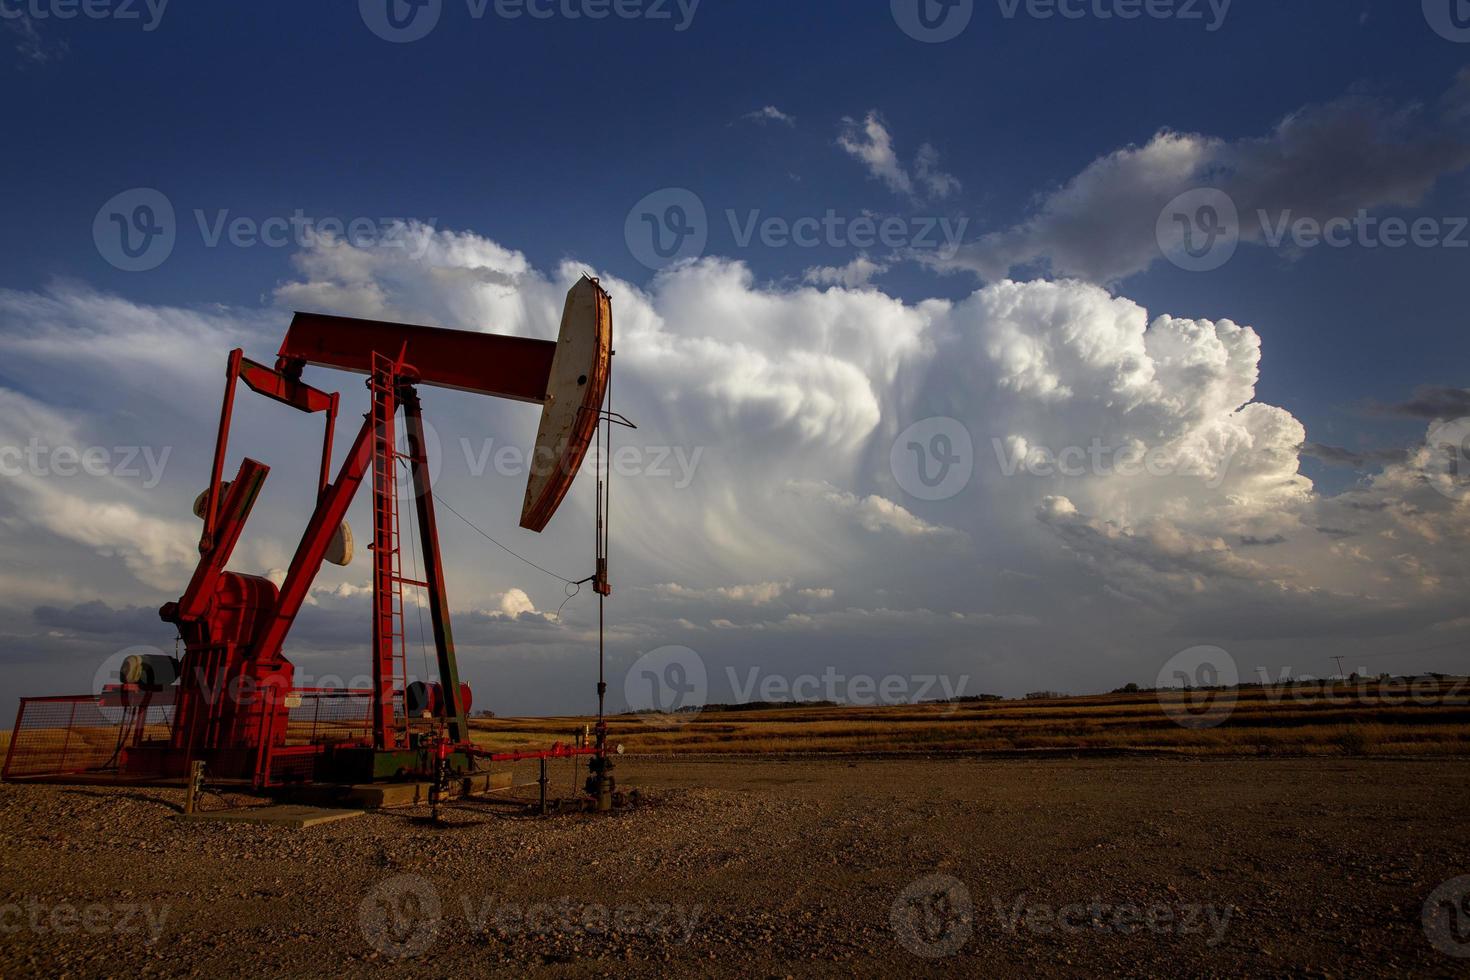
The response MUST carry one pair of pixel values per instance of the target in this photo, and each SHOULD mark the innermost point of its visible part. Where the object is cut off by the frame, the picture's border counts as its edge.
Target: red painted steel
(235, 707)
(484, 363)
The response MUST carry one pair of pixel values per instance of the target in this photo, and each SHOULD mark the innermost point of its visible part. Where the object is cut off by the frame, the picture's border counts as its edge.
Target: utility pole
(1340, 672)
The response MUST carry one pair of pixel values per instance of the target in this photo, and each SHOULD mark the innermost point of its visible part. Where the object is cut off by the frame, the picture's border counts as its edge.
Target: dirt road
(768, 868)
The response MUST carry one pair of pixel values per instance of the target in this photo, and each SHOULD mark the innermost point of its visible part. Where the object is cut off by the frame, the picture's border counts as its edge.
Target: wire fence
(80, 734)
(117, 733)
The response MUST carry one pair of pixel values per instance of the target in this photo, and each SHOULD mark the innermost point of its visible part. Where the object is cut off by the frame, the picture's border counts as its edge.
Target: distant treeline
(787, 705)
(1313, 682)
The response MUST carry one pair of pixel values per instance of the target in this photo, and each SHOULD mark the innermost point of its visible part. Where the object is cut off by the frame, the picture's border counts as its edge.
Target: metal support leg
(423, 491)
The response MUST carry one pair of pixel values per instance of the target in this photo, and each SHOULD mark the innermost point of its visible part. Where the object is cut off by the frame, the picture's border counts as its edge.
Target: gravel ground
(774, 868)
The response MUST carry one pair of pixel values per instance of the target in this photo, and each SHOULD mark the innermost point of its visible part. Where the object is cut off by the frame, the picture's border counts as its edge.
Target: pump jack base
(382, 796)
(351, 765)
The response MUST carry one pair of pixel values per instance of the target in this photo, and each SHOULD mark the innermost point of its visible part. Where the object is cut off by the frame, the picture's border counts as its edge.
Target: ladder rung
(412, 581)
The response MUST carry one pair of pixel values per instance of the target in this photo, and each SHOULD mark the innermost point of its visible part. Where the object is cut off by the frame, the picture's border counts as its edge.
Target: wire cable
(472, 527)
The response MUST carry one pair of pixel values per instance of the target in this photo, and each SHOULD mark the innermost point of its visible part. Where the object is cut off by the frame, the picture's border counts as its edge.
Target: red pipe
(557, 751)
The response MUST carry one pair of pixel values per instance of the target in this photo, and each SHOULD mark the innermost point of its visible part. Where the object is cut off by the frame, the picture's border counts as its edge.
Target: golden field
(1431, 717)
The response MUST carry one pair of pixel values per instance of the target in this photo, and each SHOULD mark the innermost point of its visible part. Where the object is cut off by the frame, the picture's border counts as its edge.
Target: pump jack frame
(235, 683)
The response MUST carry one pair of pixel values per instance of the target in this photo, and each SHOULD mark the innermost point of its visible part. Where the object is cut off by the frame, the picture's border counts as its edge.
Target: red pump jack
(232, 706)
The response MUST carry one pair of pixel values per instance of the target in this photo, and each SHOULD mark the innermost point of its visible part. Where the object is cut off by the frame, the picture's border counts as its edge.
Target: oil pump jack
(235, 695)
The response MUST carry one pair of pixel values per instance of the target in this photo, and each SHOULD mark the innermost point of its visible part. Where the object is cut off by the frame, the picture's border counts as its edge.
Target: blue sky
(548, 131)
(537, 136)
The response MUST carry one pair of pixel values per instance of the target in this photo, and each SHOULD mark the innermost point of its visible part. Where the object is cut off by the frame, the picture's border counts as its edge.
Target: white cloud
(514, 602)
(872, 513)
(1320, 162)
(936, 183)
(757, 594)
(855, 274)
(770, 114)
(870, 142)
(32, 48)
(795, 395)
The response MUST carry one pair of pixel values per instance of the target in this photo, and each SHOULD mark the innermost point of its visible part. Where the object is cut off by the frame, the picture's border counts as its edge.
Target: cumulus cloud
(795, 395)
(511, 604)
(1320, 162)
